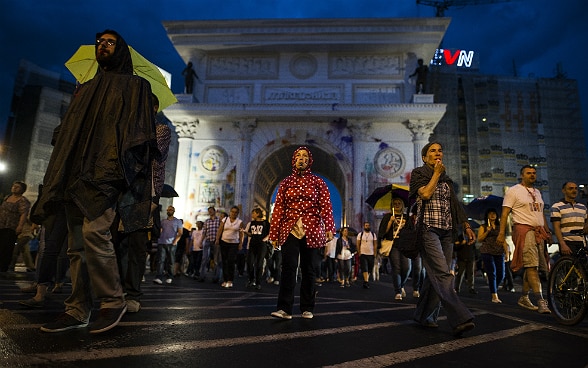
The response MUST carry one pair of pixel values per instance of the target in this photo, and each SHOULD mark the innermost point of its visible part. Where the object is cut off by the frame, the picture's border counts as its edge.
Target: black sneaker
(107, 318)
(63, 323)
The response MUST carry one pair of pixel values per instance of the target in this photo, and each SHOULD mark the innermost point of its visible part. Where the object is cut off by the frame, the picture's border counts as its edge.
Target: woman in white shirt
(230, 239)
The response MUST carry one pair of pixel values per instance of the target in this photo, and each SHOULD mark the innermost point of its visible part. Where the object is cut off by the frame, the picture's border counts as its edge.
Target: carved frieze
(364, 66)
(286, 94)
(377, 94)
(243, 67)
(229, 94)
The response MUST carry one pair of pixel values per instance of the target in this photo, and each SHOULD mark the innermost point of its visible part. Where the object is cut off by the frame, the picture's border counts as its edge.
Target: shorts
(530, 251)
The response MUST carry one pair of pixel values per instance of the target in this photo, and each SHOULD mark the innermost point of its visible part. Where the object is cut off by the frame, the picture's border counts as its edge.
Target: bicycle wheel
(566, 291)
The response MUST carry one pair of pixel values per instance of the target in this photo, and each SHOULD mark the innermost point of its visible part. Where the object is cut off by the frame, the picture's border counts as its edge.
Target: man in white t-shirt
(367, 246)
(530, 230)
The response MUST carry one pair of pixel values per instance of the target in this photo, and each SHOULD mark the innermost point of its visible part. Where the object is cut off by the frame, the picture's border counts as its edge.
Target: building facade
(39, 101)
(342, 88)
(339, 86)
(506, 122)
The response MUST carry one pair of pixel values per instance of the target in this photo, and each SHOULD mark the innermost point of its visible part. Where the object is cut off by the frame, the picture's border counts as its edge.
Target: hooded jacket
(104, 146)
(302, 195)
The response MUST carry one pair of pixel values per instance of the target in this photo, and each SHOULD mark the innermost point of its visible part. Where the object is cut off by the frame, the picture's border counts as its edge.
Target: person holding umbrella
(100, 167)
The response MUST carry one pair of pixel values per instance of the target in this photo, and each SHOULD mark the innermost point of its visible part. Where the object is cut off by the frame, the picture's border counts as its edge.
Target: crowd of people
(296, 247)
(99, 203)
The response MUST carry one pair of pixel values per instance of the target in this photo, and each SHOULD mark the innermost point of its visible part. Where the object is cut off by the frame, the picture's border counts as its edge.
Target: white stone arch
(272, 164)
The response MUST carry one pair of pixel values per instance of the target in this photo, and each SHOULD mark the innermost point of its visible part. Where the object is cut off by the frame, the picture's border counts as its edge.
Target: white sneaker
(281, 314)
(157, 281)
(307, 315)
(276, 282)
(398, 296)
(168, 281)
(403, 293)
(416, 294)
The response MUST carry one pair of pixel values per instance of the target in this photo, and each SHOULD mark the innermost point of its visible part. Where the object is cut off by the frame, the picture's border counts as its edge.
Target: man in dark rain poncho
(101, 165)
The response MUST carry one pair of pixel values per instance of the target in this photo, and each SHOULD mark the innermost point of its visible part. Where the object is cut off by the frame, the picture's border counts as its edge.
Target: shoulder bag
(410, 237)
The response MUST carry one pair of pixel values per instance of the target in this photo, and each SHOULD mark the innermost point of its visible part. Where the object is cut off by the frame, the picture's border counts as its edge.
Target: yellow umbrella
(83, 66)
(381, 197)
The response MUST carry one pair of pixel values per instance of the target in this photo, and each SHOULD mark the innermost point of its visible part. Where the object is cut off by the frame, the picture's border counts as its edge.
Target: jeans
(275, 265)
(417, 273)
(166, 255)
(400, 269)
(344, 270)
(494, 267)
(207, 246)
(293, 250)
(438, 288)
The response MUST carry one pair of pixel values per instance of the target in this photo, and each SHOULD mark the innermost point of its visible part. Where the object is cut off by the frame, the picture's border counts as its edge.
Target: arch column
(360, 131)
(421, 131)
(243, 187)
(186, 132)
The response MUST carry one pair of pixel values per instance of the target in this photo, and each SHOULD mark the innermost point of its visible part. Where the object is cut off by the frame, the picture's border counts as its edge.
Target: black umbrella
(477, 208)
(168, 191)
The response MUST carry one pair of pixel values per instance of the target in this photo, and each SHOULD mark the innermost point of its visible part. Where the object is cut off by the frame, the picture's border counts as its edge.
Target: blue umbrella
(477, 208)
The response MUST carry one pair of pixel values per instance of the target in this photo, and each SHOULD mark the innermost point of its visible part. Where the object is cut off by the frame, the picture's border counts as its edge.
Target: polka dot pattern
(303, 195)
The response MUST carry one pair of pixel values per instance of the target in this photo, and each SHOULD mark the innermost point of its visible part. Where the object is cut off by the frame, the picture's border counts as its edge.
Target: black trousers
(293, 250)
(7, 240)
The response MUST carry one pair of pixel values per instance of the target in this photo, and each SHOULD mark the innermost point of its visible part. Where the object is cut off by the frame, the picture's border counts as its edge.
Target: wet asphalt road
(188, 324)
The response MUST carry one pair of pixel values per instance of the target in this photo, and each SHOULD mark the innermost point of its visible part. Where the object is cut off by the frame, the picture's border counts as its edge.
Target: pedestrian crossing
(190, 322)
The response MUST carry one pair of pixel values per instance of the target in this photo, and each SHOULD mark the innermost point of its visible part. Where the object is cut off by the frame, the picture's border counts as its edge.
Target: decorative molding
(186, 129)
(360, 128)
(389, 162)
(246, 127)
(303, 66)
(421, 129)
(213, 159)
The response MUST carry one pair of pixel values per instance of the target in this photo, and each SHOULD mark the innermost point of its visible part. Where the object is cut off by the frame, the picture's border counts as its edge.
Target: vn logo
(462, 57)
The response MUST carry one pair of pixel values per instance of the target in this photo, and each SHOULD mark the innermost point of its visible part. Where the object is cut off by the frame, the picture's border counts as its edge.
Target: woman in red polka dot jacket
(301, 223)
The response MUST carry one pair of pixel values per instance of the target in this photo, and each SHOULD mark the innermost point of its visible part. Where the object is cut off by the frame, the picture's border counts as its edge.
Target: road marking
(102, 353)
(428, 351)
(377, 361)
(221, 320)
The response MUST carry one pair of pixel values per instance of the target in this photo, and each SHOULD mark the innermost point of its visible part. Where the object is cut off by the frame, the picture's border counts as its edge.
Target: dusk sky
(535, 34)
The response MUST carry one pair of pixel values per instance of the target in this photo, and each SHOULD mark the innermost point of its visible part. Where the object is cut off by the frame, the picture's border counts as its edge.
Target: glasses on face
(109, 41)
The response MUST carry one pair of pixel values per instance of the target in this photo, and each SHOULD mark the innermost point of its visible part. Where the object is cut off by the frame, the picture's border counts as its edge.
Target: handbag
(386, 245)
(410, 237)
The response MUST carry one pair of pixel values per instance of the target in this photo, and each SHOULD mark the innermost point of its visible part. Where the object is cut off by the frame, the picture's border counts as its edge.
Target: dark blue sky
(535, 34)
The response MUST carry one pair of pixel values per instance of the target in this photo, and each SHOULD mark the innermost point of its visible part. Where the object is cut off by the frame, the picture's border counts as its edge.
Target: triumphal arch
(265, 87)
